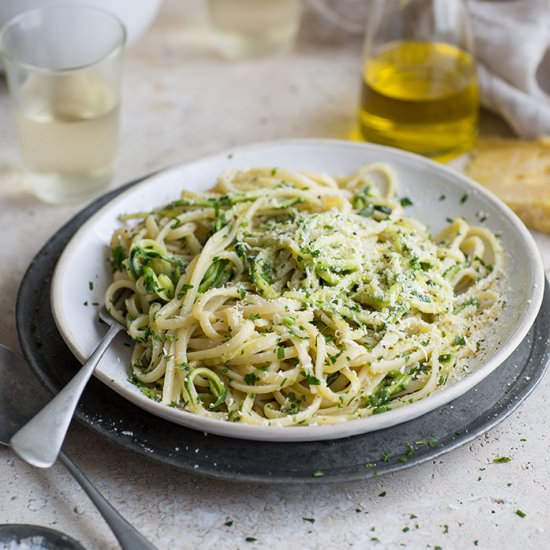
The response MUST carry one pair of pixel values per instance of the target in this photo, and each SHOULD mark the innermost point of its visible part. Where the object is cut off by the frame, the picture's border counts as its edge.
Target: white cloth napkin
(512, 41)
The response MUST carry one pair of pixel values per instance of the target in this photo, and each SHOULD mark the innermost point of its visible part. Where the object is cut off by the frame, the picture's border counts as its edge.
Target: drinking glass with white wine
(63, 64)
(253, 28)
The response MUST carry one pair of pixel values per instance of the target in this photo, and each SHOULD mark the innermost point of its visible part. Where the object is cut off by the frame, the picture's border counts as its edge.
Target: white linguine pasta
(283, 298)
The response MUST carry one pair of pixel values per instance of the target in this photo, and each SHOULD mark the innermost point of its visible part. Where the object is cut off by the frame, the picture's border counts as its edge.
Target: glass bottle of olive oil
(419, 91)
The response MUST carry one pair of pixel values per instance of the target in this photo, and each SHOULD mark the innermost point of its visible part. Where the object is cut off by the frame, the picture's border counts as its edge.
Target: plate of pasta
(300, 290)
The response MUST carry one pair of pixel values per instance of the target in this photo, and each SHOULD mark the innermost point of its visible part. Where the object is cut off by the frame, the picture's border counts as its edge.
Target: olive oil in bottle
(422, 97)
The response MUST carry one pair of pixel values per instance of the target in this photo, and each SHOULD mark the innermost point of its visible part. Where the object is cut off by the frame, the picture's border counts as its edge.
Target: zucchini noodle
(292, 298)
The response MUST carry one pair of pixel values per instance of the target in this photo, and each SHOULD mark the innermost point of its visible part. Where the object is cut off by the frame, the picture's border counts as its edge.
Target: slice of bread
(518, 172)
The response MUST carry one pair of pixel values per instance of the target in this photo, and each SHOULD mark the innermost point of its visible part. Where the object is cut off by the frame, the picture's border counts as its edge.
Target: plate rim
(316, 432)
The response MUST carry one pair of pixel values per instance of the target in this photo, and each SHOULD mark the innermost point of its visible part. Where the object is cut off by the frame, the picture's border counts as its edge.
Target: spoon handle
(39, 441)
(127, 535)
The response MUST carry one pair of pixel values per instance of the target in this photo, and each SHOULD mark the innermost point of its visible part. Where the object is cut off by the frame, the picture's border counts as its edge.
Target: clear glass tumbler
(63, 64)
(419, 85)
(252, 28)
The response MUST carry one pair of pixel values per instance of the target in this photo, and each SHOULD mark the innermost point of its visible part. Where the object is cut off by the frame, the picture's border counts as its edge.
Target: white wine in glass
(249, 28)
(63, 65)
(68, 135)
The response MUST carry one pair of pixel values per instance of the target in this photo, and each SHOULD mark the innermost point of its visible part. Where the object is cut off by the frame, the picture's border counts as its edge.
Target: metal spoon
(40, 440)
(20, 397)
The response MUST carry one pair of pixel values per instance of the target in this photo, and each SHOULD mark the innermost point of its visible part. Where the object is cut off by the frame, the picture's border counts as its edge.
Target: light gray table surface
(182, 101)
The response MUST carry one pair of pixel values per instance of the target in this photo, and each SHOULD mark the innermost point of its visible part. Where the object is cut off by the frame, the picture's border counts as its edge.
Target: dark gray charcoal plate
(353, 458)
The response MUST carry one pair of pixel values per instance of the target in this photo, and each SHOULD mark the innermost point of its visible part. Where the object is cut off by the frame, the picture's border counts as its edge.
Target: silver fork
(40, 440)
(16, 393)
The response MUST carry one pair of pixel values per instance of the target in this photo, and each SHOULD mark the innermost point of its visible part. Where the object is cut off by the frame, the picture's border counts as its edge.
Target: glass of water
(63, 65)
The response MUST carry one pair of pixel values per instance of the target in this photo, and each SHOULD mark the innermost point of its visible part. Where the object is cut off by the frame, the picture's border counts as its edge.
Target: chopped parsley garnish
(405, 201)
(251, 378)
(310, 520)
(384, 209)
(183, 291)
(117, 257)
(459, 341)
(464, 198)
(312, 380)
(501, 460)
(520, 513)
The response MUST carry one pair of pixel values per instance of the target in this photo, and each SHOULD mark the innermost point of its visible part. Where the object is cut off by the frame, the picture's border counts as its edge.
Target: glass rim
(118, 48)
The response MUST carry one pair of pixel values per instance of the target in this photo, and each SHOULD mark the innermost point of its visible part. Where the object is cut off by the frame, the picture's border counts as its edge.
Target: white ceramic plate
(87, 254)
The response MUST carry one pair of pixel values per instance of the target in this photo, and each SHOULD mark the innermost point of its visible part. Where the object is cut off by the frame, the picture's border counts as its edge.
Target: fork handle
(39, 441)
(128, 536)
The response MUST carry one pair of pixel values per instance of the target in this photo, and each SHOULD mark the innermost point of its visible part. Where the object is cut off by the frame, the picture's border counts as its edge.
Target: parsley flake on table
(501, 460)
